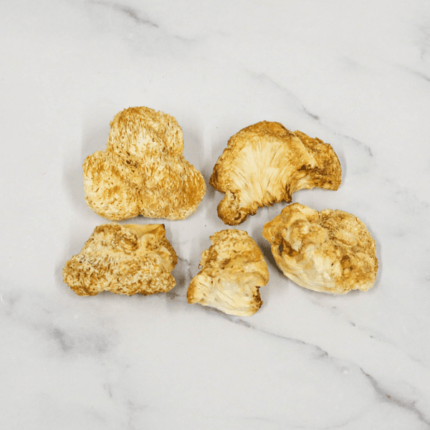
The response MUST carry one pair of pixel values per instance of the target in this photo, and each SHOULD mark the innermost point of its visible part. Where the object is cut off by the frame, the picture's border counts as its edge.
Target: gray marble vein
(408, 405)
(126, 10)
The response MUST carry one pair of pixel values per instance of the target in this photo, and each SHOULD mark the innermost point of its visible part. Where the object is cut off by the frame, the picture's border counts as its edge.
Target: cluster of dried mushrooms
(143, 172)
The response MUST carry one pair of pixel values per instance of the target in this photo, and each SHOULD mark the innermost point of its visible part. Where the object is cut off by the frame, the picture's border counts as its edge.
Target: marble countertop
(355, 74)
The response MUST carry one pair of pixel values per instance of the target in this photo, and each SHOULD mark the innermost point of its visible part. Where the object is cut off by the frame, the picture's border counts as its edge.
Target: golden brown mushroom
(233, 269)
(265, 163)
(123, 259)
(143, 171)
(329, 251)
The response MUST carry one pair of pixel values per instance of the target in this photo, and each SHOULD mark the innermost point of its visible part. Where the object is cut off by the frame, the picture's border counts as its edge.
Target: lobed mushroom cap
(329, 251)
(142, 171)
(265, 163)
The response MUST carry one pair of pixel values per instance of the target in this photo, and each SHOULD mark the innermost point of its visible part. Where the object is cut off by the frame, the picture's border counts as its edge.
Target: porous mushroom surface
(142, 171)
(124, 259)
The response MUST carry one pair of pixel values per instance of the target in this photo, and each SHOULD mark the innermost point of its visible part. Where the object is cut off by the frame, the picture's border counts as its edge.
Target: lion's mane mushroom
(123, 259)
(143, 171)
(329, 251)
(265, 163)
(233, 269)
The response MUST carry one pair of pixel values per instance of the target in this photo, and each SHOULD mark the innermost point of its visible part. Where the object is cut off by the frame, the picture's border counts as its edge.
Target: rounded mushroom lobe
(329, 251)
(142, 171)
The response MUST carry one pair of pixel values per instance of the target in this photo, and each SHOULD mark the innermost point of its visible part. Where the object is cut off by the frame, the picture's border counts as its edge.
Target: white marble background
(353, 73)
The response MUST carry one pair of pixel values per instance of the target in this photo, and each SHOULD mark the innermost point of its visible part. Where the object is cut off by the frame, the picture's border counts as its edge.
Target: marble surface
(353, 73)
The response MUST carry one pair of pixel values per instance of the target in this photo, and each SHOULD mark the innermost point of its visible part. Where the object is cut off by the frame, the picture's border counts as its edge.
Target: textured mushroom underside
(143, 171)
(265, 163)
(123, 259)
(329, 251)
(233, 269)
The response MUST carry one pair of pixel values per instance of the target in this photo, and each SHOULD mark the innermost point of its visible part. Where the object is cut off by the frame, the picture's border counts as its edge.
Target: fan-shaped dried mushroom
(265, 163)
(330, 251)
(143, 171)
(123, 259)
(233, 269)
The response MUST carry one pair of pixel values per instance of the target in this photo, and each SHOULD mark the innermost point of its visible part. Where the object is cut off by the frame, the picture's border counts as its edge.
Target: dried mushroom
(233, 269)
(143, 171)
(329, 251)
(265, 163)
(123, 259)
